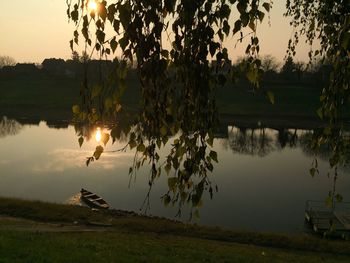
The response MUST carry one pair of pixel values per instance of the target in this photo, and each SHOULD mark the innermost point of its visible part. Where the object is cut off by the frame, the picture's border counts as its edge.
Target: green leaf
(261, 15)
(271, 97)
(88, 160)
(266, 6)
(163, 130)
(132, 144)
(115, 133)
(339, 198)
(312, 171)
(123, 42)
(213, 155)
(100, 36)
(114, 44)
(329, 201)
(75, 15)
(116, 26)
(213, 46)
(210, 167)
(76, 109)
(98, 152)
(105, 138)
(226, 28)
(320, 113)
(96, 90)
(242, 6)
(81, 141)
(108, 103)
(221, 35)
(165, 53)
(166, 200)
(210, 140)
(141, 147)
(172, 181)
(252, 25)
(118, 107)
(237, 27)
(245, 19)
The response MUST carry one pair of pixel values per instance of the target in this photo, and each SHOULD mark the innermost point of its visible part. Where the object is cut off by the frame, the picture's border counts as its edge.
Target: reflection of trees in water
(308, 146)
(250, 141)
(330, 144)
(261, 141)
(286, 137)
(312, 146)
(9, 127)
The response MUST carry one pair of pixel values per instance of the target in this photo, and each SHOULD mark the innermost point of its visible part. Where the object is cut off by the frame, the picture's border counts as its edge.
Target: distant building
(25, 68)
(54, 66)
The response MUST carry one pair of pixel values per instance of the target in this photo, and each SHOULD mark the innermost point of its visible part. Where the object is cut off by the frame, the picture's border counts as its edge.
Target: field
(51, 97)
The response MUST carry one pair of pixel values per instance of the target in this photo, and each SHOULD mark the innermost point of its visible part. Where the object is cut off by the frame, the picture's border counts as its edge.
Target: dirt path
(17, 224)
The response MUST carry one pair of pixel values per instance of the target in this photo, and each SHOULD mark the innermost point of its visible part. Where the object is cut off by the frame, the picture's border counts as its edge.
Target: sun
(92, 5)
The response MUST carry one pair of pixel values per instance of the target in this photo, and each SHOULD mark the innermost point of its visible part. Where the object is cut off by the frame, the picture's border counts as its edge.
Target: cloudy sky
(32, 30)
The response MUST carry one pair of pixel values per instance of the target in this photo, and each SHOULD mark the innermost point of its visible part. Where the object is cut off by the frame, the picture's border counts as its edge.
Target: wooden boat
(93, 200)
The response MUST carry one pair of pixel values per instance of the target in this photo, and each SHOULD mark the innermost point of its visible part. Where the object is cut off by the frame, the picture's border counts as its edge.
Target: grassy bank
(40, 236)
(289, 101)
(140, 247)
(53, 95)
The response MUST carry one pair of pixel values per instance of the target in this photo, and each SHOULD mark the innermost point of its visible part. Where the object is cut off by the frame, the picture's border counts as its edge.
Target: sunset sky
(33, 30)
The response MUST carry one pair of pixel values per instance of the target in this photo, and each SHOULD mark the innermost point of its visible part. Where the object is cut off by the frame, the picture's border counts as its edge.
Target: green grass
(289, 101)
(38, 92)
(140, 247)
(135, 238)
(41, 91)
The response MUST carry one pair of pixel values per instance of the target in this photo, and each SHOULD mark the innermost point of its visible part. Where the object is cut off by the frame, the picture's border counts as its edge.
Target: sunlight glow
(92, 5)
(98, 135)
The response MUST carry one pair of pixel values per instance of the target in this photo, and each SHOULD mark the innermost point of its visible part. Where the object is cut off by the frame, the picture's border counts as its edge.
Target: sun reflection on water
(98, 135)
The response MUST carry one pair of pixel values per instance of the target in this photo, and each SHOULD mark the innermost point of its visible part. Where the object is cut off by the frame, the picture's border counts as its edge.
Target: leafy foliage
(328, 22)
(171, 42)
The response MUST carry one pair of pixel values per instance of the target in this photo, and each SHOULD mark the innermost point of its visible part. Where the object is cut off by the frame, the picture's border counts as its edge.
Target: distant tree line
(6, 61)
(288, 73)
(78, 66)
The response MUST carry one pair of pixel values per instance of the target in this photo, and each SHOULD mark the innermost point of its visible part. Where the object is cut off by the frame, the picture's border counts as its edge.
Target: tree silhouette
(178, 81)
(7, 61)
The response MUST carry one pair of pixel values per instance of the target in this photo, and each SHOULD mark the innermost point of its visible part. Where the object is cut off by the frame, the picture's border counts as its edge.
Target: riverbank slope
(33, 231)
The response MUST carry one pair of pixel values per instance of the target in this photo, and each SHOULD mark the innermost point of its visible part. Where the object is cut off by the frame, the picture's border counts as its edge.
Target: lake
(263, 179)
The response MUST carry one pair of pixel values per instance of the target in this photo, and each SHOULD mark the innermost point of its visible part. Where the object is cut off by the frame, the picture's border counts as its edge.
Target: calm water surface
(263, 189)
